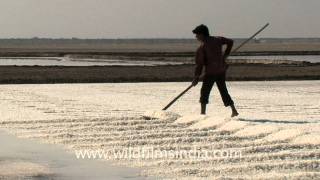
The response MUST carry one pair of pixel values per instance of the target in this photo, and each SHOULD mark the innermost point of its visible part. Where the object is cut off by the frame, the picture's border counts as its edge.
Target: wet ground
(30, 159)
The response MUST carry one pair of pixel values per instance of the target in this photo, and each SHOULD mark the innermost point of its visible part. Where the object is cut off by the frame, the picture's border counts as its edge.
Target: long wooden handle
(175, 99)
(250, 38)
(236, 49)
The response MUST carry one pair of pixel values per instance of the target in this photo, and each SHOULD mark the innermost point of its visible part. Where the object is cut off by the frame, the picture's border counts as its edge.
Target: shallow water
(33, 160)
(57, 61)
(309, 58)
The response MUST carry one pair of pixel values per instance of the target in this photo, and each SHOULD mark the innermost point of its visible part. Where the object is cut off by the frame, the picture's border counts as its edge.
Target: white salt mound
(210, 122)
(256, 130)
(190, 118)
(283, 135)
(313, 139)
(233, 125)
(167, 115)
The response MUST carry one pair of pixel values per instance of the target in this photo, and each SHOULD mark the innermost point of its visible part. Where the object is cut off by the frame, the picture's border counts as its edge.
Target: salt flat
(277, 131)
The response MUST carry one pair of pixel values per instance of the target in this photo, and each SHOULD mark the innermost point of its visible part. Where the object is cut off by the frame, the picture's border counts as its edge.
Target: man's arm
(229, 43)
(199, 65)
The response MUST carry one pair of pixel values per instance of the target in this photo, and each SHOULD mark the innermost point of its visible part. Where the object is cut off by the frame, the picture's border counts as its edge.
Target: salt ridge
(276, 141)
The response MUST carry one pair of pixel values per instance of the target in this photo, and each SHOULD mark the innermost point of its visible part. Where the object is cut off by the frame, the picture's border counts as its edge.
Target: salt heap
(165, 115)
(285, 134)
(233, 125)
(256, 130)
(190, 119)
(313, 139)
(210, 122)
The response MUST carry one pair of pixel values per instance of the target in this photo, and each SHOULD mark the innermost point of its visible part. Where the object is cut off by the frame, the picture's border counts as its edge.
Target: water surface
(61, 61)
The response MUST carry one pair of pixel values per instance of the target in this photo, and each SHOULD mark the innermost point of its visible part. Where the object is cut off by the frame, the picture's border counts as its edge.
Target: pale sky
(157, 18)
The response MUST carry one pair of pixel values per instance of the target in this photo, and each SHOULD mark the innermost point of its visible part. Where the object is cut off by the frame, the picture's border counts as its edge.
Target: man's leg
(234, 111)
(226, 98)
(203, 108)
(205, 93)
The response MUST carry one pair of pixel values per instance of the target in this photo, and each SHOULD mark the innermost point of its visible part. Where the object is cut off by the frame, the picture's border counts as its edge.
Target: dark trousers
(207, 84)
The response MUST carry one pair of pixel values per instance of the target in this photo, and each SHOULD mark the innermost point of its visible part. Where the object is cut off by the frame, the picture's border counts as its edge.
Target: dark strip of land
(169, 73)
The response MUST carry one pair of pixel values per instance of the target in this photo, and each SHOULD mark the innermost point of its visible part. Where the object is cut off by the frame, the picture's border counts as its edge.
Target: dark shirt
(210, 56)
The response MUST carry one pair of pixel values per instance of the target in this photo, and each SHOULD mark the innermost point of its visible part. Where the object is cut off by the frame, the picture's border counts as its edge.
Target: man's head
(201, 32)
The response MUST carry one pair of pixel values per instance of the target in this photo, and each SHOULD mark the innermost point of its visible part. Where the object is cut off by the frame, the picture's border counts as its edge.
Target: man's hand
(195, 81)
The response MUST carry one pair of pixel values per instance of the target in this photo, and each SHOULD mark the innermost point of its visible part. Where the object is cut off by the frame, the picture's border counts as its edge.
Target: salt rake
(189, 87)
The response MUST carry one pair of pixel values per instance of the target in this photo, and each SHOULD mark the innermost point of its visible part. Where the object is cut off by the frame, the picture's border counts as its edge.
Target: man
(210, 56)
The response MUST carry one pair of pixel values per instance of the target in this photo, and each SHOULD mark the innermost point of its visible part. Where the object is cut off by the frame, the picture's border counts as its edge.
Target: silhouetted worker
(210, 56)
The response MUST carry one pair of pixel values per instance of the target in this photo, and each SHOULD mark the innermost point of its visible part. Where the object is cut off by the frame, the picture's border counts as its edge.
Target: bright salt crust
(277, 130)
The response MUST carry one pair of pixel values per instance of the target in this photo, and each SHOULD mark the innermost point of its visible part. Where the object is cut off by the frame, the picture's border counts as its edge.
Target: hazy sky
(157, 18)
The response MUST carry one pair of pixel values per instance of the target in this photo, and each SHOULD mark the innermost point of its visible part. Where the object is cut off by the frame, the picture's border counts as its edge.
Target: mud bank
(168, 73)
